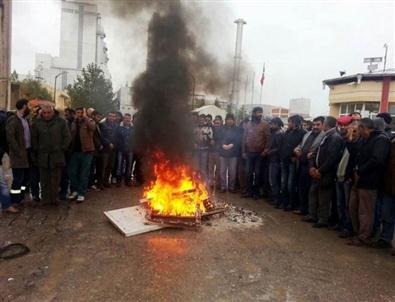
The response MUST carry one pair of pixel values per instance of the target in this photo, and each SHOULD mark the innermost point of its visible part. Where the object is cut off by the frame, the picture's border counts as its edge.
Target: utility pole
(5, 53)
(385, 55)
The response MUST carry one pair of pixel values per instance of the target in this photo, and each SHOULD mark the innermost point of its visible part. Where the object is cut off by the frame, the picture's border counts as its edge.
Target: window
(372, 107)
(343, 109)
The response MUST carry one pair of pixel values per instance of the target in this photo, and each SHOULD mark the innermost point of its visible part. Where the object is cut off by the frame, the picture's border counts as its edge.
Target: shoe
(128, 183)
(107, 185)
(55, 203)
(11, 210)
(255, 197)
(288, 209)
(80, 198)
(345, 234)
(119, 184)
(36, 199)
(319, 225)
(62, 197)
(114, 180)
(246, 195)
(356, 242)
(381, 244)
(278, 206)
(73, 196)
(297, 212)
(222, 191)
(309, 219)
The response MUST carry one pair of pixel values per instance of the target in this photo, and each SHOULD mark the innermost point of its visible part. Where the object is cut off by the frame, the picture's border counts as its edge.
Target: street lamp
(193, 91)
(54, 89)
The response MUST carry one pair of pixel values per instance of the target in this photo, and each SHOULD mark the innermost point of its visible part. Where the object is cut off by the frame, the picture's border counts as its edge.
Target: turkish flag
(263, 75)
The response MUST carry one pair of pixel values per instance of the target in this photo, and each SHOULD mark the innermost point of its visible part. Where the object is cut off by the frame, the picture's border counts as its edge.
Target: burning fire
(176, 190)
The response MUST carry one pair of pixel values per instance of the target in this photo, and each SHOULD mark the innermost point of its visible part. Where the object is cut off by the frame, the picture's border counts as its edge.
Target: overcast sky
(301, 42)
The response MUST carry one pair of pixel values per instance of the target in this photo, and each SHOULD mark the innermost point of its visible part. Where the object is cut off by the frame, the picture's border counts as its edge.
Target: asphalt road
(77, 255)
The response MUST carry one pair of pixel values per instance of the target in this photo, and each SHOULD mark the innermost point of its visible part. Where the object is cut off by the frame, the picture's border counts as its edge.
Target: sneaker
(114, 180)
(80, 198)
(94, 188)
(11, 210)
(73, 196)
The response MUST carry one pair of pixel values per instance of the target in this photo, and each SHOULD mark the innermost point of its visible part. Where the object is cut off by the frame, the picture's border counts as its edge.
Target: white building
(81, 43)
(124, 95)
(300, 106)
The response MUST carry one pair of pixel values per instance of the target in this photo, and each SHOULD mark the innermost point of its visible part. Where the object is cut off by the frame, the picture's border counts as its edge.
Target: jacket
(124, 139)
(3, 134)
(229, 135)
(329, 152)
(389, 179)
(87, 128)
(216, 133)
(257, 137)
(203, 137)
(309, 144)
(277, 139)
(108, 134)
(371, 161)
(291, 140)
(50, 141)
(18, 153)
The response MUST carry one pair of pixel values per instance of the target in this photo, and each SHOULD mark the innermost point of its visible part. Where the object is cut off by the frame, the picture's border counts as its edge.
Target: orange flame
(176, 190)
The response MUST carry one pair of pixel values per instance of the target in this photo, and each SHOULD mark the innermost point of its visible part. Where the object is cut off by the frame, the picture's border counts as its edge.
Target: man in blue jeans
(277, 133)
(124, 137)
(292, 138)
(388, 209)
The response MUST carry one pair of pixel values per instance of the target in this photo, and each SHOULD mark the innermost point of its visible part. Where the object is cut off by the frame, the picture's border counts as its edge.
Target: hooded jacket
(371, 160)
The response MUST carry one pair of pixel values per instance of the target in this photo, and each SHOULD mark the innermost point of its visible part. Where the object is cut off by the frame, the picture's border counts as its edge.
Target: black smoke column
(161, 93)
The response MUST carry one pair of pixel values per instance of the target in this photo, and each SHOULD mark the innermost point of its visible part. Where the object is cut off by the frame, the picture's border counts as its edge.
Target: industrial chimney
(235, 93)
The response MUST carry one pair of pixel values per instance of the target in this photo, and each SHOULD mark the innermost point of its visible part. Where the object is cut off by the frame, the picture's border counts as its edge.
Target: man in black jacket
(229, 141)
(292, 138)
(368, 176)
(273, 154)
(323, 167)
(107, 154)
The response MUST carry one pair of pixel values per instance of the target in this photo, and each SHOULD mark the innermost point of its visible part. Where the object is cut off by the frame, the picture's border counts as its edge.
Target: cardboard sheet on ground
(131, 221)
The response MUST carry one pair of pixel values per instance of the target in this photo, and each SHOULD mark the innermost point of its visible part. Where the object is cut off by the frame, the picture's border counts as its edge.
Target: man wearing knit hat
(388, 121)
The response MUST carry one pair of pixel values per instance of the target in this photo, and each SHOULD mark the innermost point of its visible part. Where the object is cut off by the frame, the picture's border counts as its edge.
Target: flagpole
(252, 88)
(245, 90)
(263, 73)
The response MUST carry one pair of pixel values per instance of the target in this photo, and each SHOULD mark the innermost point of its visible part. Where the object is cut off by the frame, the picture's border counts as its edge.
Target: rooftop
(369, 76)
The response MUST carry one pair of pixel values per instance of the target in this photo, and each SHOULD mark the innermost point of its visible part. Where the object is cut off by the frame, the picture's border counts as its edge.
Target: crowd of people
(335, 173)
(55, 158)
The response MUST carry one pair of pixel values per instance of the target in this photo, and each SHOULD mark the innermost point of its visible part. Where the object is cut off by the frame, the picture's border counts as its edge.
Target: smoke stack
(235, 93)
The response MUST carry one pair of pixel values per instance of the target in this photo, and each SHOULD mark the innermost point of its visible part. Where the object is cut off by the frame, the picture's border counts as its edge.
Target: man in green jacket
(19, 143)
(50, 140)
